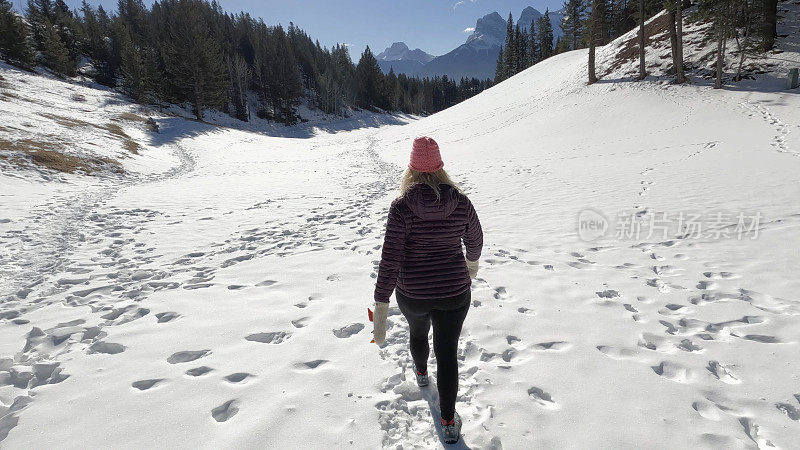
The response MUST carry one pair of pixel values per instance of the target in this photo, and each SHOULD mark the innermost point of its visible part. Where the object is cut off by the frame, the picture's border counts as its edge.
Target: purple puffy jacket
(422, 255)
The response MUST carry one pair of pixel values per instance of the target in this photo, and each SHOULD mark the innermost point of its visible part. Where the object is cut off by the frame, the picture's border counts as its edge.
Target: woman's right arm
(392, 255)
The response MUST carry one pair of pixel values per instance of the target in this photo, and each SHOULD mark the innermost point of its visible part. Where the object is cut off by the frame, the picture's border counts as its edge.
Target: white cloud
(461, 2)
(469, 29)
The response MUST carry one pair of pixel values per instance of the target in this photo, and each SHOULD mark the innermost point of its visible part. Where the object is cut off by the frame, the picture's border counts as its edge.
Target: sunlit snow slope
(223, 303)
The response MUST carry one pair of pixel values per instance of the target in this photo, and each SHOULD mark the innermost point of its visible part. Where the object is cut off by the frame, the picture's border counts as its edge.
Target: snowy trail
(219, 302)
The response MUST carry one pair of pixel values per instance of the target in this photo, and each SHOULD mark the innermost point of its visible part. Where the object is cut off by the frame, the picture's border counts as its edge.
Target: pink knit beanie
(425, 155)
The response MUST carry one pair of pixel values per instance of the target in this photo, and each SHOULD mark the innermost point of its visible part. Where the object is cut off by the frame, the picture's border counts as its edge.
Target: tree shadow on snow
(431, 395)
(173, 129)
(764, 83)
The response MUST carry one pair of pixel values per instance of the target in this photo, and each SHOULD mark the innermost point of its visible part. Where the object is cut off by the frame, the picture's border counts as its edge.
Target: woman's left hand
(379, 322)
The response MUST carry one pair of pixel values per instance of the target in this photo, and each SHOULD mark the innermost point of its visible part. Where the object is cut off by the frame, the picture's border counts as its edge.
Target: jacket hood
(421, 200)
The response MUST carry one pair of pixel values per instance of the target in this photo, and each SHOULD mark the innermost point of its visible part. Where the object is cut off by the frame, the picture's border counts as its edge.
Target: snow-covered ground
(214, 293)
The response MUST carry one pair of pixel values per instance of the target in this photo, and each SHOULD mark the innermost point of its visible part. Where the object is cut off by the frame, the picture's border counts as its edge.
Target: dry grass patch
(131, 117)
(47, 155)
(131, 146)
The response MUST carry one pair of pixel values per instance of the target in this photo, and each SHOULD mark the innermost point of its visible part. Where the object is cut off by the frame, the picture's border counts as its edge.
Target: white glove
(472, 267)
(379, 322)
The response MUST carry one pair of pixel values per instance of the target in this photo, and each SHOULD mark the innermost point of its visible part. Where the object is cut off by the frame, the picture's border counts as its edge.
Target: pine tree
(573, 23)
(545, 36)
(95, 45)
(510, 49)
(193, 59)
(55, 54)
(533, 44)
(519, 50)
(14, 38)
(368, 79)
(499, 71)
(136, 81)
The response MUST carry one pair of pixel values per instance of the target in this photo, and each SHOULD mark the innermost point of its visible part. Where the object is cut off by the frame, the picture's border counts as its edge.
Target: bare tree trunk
(770, 24)
(592, 74)
(720, 61)
(673, 38)
(742, 47)
(679, 39)
(592, 44)
(642, 71)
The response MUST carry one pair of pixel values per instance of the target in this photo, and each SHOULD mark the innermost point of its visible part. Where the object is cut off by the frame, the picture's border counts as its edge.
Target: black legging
(448, 316)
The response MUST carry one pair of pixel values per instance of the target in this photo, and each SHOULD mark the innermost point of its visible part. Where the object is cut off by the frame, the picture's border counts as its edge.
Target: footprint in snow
(144, 385)
(225, 411)
(617, 352)
(608, 293)
(167, 316)
(675, 372)
(300, 323)
(311, 364)
(199, 371)
(186, 356)
(500, 293)
(349, 330)
(238, 377)
(555, 346)
(790, 410)
(271, 337)
(109, 348)
(542, 398)
(722, 372)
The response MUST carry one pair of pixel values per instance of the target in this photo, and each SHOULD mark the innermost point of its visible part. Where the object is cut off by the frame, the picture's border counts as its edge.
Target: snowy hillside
(213, 293)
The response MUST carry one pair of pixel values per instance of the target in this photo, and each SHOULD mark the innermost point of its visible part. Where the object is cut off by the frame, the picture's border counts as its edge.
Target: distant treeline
(191, 51)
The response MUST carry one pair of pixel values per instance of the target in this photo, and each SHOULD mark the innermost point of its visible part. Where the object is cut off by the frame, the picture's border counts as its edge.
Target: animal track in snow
(225, 411)
(187, 356)
(270, 337)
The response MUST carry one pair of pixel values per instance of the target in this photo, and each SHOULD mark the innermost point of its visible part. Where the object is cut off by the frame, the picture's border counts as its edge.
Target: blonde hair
(432, 179)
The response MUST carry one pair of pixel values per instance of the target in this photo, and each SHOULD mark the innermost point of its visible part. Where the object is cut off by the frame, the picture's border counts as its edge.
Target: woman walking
(422, 262)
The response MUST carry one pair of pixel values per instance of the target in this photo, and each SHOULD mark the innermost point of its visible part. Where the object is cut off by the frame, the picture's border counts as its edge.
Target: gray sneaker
(422, 378)
(452, 430)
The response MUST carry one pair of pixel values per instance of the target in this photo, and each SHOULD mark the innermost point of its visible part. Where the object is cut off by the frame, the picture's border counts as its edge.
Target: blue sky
(435, 26)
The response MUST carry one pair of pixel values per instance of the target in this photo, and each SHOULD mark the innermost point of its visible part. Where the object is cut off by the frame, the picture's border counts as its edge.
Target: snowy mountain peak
(399, 51)
(490, 31)
(528, 15)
